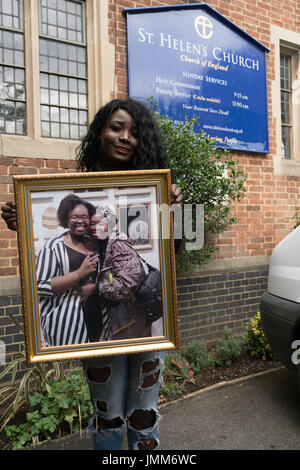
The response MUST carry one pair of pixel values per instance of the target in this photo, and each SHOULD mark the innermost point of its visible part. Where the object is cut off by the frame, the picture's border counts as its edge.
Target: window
(285, 94)
(288, 95)
(57, 66)
(62, 68)
(12, 68)
(63, 71)
(286, 110)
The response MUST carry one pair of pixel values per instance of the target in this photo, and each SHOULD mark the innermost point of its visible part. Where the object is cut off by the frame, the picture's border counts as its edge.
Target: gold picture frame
(37, 199)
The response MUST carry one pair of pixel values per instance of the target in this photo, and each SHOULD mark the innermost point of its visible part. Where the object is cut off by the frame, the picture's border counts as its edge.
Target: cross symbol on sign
(203, 27)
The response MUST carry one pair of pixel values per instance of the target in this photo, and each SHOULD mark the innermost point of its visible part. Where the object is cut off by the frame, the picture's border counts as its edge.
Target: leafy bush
(198, 356)
(62, 405)
(207, 175)
(256, 340)
(16, 394)
(228, 349)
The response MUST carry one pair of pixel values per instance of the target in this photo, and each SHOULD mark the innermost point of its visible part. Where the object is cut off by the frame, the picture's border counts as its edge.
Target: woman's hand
(9, 214)
(176, 196)
(88, 265)
(68, 281)
(86, 290)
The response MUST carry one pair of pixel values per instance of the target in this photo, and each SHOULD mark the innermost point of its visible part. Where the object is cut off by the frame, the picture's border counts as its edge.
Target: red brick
(22, 170)
(66, 164)
(8, 271)
(51, 163)
(32, 162)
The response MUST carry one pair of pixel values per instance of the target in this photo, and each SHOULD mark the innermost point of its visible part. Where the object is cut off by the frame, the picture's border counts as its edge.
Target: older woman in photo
(120, 274)
(65, 262)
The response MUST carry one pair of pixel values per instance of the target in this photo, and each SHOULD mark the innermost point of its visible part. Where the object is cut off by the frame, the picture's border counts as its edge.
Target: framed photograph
(97, 264)
(135, 222)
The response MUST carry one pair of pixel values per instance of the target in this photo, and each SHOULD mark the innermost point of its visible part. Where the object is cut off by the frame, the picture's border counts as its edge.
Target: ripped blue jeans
(124, 391)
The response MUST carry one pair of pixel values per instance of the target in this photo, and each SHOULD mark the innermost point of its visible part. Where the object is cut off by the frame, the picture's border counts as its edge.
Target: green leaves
(206, 175)
(61, 406)
(17, 394)
(198, 356)
(228, 349)
(256, 340)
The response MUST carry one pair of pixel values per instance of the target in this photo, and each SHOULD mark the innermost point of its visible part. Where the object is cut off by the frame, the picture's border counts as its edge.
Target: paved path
(261, 413)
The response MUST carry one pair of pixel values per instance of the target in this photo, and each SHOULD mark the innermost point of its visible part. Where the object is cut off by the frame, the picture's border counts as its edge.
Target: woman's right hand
(9, 214)
(86, 290)
(88, 265)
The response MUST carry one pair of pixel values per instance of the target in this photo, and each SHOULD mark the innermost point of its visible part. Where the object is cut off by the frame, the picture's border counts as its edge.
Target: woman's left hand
(176, 196)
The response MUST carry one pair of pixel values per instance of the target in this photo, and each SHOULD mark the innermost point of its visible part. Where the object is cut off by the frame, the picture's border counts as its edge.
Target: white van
(280, 305)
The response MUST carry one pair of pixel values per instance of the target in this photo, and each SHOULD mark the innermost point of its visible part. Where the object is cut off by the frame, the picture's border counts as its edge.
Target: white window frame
(101, 76)
(286, 42)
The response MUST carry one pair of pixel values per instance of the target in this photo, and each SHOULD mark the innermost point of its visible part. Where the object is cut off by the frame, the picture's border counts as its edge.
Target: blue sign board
(195, 62)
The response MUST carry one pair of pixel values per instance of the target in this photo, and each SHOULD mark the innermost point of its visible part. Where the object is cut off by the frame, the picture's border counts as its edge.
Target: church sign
(195, 62)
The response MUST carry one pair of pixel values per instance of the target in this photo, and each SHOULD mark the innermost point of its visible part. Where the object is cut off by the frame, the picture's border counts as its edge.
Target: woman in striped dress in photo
(64, 263)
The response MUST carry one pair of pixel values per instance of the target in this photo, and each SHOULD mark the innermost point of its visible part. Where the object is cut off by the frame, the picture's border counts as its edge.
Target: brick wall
(210, 301)
(10, 334)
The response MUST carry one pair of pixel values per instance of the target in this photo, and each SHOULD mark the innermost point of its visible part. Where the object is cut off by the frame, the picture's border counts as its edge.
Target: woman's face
(119, 141)
(79, 220)
(99, 227)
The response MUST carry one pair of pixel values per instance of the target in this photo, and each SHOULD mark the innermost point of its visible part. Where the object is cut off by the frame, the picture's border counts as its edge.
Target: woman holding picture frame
(124, 389)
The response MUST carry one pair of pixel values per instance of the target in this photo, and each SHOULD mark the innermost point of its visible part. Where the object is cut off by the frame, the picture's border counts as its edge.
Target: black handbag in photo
(148, 294)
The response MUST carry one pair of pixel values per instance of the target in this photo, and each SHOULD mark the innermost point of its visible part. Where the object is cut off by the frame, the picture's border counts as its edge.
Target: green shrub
(198, 356)
(172, 389)
(256, 340)
(207, 175)
(15, 394)
(62, 406)
(228, 349)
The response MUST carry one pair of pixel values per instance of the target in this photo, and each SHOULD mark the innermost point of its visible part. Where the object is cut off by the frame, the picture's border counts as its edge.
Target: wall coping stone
(231, 265)
(10, 285)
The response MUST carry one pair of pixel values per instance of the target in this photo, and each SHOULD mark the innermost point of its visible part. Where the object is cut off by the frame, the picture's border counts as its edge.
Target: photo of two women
(87, 277)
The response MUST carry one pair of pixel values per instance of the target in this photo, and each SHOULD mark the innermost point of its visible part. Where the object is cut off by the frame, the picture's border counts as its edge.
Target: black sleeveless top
(90, 306)
(76, 259)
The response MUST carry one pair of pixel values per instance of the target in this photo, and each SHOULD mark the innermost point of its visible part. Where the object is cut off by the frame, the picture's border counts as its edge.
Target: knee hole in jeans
(149, 365)
(151, 379)
(147, 444)
(109, 423)
(99, 374)
(142, 419)
(102, 406)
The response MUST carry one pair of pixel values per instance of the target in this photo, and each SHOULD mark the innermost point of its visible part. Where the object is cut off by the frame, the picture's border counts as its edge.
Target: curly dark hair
(67, 204)
(149, 155)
